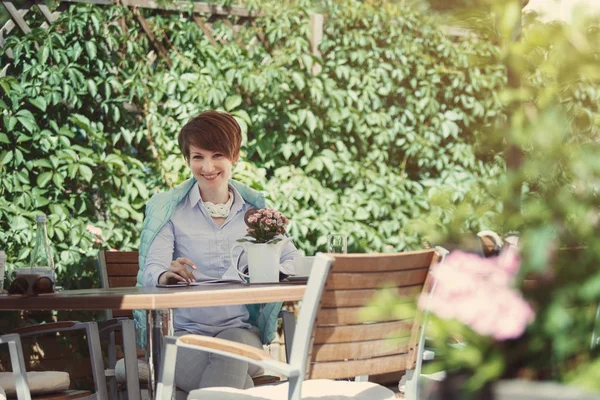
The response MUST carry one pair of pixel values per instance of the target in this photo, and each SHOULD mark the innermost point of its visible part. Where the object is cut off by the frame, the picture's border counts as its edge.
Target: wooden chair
(335, 338)
(119, 269)
(51, 385)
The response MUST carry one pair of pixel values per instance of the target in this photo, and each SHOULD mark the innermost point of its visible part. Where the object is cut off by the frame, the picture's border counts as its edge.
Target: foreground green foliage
(90, 115)
(550, 195)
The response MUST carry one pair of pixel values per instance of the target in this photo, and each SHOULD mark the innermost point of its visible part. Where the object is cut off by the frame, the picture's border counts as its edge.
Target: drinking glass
(337, 243)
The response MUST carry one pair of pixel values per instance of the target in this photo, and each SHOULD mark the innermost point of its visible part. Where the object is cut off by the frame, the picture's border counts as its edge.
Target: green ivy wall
(90, 115)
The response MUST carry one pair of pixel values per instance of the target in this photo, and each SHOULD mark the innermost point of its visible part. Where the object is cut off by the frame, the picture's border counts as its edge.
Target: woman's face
(211, 169)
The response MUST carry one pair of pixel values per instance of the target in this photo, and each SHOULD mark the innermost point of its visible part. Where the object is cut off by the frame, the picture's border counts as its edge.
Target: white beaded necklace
(219, 210)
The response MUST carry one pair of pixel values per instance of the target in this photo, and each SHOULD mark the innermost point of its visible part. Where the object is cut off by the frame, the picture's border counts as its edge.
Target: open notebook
(204, 280)
(211, 281)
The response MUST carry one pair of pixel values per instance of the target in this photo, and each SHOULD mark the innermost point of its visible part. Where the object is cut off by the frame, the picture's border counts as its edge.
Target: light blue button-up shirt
(192, 233)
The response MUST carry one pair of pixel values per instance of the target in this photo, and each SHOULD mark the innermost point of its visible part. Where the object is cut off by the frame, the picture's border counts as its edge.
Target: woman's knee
(239, 335)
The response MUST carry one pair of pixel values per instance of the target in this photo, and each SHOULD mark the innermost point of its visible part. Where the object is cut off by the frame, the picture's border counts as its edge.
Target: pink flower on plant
(265, 225)
(477, 292)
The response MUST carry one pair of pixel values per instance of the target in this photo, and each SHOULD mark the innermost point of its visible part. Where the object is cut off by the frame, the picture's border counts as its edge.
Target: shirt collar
(238, 201)
(194, 196)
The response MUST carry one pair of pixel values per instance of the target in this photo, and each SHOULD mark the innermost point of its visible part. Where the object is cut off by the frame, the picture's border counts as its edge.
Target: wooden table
(154, 300)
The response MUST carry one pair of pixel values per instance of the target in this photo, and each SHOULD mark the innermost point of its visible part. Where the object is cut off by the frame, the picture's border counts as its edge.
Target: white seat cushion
(311, 390)
(2, 394)
(143, 371)
(40, 382)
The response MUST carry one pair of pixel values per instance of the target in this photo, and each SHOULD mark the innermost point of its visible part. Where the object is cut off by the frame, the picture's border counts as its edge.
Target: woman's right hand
(178, 272)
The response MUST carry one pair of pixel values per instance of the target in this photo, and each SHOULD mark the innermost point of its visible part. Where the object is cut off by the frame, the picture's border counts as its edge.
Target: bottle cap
(40, 218)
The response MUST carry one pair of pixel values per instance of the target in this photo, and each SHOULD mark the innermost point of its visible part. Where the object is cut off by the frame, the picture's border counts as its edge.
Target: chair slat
(122, 269)
(357, 298)
(366, 262)
(66, 395)
(121, 257)
(352, 368)
(121, 281)
(356, 315)
(359, 350)
(372, 280)
(352, 333)
(122, 313)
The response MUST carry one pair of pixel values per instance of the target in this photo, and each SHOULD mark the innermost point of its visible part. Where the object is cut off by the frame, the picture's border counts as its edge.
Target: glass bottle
(41, 262)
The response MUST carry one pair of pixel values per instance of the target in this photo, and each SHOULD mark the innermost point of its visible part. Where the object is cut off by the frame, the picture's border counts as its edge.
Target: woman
(188, 233)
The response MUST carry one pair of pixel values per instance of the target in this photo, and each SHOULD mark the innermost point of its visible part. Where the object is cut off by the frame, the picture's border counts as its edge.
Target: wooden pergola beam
(155, 42)
(200, 8)
(17, 15)
(48, 15)
(206, 29)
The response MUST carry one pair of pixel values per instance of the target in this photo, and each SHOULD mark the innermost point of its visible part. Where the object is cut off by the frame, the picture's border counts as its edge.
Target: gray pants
(199, 369)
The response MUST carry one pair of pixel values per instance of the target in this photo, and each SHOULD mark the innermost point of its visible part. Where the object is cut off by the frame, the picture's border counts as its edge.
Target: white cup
(302, 265)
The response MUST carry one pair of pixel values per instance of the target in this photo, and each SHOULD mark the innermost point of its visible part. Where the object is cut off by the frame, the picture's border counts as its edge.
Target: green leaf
(43, 163)
(6, 157)
(92, 88)
(86, 172)
(58, 180)
(44, 54)
(298, 80)
(90, 48)
(141, 187)
(44, 178)
(12, 121)
(29, 124)
(311, 121)
(39, 102)
(232, 102)
(4, 138)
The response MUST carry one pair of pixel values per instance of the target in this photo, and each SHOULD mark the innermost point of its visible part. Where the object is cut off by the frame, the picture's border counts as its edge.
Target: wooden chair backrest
(346, 345)
(118, 269)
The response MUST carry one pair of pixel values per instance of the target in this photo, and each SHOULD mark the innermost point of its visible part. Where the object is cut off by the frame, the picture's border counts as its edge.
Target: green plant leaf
(232, 102)
(86, 172)
(44, 178)
(39, 102)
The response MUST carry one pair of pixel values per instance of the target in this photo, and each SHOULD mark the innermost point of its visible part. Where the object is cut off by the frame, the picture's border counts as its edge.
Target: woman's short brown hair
(213, 131)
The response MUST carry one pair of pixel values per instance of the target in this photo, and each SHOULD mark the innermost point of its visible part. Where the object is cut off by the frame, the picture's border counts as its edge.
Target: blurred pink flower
(94, 230)
(477, 292)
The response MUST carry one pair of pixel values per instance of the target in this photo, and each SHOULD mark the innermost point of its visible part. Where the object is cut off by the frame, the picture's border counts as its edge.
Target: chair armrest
(51, 327)
(226, 346)
(239, 351)
(18, 364)
(93, 341)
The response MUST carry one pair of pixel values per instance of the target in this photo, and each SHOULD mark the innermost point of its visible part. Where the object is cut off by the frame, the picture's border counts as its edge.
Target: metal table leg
(154, 330)
(150, 355)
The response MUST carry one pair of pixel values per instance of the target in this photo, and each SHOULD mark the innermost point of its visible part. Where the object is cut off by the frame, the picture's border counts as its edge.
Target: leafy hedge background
(364, 147)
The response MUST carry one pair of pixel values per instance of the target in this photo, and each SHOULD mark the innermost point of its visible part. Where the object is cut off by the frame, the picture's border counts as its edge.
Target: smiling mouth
(211, 177)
